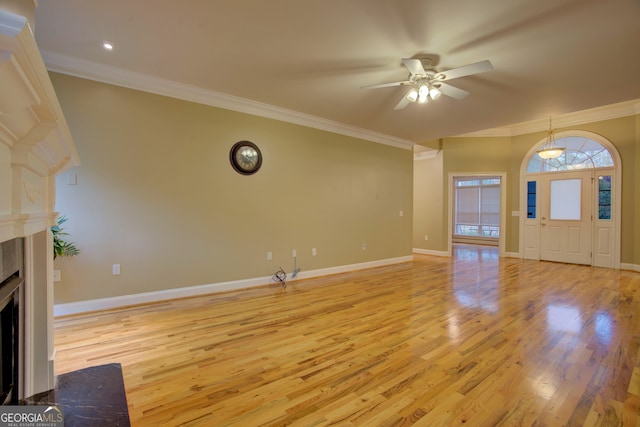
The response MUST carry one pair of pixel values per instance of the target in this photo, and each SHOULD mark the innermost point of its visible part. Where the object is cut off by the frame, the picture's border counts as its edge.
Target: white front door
(566, 217)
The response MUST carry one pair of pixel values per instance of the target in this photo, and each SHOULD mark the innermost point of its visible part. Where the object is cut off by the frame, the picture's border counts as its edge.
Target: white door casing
(604, 232)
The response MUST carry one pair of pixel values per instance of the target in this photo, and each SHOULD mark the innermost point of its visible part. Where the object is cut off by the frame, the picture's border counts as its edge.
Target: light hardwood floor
(472, 340)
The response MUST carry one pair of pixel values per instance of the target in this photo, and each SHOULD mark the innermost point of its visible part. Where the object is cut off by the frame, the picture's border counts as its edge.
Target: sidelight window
(604, 197)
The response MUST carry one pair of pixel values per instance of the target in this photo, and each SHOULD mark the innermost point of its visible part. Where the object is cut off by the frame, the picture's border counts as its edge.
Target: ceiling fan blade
(466, 70)
(402, 104)
(386, 85)
(414, 66)
(452, 91)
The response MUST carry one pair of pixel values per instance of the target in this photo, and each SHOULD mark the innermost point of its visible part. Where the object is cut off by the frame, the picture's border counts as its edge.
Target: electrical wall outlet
(314, 252)
(401, 213)
(56, 275)
(364, 246)
(294, 253)
(426, 237)
(115, 269)
(269, 256)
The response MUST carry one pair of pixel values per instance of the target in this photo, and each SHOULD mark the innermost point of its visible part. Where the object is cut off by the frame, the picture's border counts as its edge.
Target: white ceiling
(309, 58)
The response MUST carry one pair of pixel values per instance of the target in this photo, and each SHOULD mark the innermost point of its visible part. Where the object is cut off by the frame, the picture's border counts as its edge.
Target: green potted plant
(60, 246)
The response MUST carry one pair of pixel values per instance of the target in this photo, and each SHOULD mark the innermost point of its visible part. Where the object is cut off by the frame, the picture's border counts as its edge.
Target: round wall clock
(245, 157)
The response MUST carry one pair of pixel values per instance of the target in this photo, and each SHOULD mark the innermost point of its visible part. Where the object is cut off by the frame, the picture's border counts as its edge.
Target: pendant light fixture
(549, 150)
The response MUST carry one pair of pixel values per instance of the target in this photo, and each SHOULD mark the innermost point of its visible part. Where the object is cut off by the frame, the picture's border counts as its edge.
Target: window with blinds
(477, 207)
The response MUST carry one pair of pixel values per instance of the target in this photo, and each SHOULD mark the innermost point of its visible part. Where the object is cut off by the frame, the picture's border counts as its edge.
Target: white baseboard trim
(512, 255)
(353, 267)
(190, 291)
(155, 296)
(430, 252)
(627, 266)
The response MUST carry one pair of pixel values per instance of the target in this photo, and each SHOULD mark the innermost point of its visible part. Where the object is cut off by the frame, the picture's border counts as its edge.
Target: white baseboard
(147, 297)
(430, 252)
(512, 255)
(190, 291)
(627, 266)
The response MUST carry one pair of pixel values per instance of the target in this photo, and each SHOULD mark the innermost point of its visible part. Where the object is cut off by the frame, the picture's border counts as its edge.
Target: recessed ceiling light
(107, 46)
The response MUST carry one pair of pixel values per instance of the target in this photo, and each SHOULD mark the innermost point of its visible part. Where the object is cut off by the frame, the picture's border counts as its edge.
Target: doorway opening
(476, 210)
(477, 204)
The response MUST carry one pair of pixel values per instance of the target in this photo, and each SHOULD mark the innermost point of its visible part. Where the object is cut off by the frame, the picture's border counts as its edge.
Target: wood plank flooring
(472, 340)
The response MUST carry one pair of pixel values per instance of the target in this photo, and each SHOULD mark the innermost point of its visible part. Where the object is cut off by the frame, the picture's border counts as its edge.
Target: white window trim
(503, 206)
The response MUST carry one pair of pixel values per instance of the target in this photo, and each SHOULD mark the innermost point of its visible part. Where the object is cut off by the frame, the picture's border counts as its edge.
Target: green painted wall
(427, 195)
(156, 194)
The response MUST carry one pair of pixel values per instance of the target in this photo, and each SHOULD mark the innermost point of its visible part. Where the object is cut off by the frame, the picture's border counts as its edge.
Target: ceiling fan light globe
(423, 99)
(412, 95)
(434, 93)
(423, 91)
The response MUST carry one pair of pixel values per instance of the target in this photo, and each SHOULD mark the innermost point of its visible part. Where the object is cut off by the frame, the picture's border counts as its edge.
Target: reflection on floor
(471, 286)
(475, 252)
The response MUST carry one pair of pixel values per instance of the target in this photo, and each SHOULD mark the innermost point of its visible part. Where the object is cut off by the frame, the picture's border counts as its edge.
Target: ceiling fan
(428, 83)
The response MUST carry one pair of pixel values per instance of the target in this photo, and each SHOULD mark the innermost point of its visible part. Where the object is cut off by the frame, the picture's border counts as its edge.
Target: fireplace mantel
(35, 141)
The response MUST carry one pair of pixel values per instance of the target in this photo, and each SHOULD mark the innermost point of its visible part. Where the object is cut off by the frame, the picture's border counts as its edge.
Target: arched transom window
(580, 153)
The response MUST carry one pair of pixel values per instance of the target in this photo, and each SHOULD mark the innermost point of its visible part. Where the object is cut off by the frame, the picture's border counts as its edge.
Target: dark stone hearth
(91, 397)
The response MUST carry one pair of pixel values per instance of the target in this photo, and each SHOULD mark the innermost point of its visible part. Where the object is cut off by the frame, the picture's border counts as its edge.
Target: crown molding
(116, 76)
(425, 155)
(11, 24)
(138, 81)
(607, 112)
(493, 132)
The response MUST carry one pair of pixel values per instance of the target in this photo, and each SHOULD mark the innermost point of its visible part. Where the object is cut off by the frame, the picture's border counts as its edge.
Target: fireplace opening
(10, 296)
(11, 324)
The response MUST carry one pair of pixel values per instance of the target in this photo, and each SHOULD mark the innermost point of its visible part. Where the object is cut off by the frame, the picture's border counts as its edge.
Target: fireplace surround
(35, 146)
